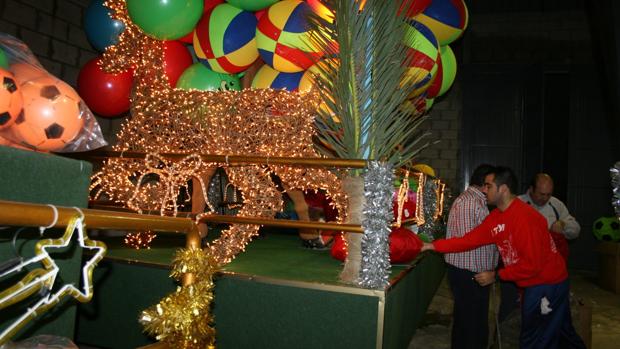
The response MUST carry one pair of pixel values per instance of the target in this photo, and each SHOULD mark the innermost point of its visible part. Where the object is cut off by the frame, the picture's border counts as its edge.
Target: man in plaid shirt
(470, 273)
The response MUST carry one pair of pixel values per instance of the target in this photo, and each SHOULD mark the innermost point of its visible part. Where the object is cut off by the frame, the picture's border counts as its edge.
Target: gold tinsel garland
(183, 319)
(263, 122)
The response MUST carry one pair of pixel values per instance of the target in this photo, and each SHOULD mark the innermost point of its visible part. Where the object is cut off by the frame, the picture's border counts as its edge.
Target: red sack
(405, 245)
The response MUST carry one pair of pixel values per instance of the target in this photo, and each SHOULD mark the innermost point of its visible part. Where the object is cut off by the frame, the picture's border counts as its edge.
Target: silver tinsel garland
(377, 216)
(431, 225)
(615, 184)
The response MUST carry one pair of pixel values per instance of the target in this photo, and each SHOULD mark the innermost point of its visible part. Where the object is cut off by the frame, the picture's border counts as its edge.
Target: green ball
(165, 19)
(4, 60)
(607, 229)
(252, 5)
(199, 77)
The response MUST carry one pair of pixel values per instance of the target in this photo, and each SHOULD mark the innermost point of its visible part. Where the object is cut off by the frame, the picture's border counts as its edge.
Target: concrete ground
(604, 324)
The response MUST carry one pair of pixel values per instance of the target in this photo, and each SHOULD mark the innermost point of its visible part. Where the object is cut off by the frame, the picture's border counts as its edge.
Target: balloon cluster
(211, 44)
(433, 25)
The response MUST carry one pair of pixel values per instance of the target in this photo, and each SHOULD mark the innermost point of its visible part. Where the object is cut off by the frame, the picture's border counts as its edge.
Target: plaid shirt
(467, 212)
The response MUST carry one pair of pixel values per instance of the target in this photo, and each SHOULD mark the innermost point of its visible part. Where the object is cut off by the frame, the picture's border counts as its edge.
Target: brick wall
(53, 31)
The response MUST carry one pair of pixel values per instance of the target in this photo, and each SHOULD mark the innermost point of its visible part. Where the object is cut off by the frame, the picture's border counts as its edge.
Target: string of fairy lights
(251, 122)
(167, 120)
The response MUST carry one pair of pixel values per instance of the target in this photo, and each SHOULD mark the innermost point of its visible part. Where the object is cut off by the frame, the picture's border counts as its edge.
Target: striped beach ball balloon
(225, 39)
(446, 73)
(448, 62)
(282, 37)
(267, 77)
(446, 18)
(423, 54)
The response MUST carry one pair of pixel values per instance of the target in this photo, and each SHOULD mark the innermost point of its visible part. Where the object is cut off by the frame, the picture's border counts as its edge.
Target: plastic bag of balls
(38, 111)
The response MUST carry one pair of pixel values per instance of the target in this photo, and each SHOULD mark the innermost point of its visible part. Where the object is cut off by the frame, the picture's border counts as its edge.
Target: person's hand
(485, 278)
(557, 226)
(428, 247)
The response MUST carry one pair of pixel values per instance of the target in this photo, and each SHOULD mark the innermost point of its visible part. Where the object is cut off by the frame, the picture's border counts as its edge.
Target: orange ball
(25, 72)
(11, 101)
(52, 115)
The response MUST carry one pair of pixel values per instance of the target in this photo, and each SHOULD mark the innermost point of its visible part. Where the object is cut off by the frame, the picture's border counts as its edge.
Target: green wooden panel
(47, 179)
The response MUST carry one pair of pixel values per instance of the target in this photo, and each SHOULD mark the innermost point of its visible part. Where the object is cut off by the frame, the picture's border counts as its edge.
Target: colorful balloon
(101, 30)
(414, 7)
(4, 60)
(52, 115)
(267, 77)
(176, 59)
(282, 37)
(11, 100)
(424, 168)
(208, 4)
(423, 55)
(252, 5)
(105, 94)
(446, 18)
(225, 39)
(165, 19)
(448, 61)
(199, 77)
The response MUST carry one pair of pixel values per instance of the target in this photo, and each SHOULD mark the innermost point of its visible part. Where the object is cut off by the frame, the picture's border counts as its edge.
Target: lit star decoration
(45, 278)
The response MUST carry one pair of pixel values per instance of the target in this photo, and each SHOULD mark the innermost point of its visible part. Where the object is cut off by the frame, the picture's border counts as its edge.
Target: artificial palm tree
(368, 111)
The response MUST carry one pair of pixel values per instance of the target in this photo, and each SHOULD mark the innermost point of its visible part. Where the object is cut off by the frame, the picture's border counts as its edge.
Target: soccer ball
(51, 118)
(11, 101)
(607, 229)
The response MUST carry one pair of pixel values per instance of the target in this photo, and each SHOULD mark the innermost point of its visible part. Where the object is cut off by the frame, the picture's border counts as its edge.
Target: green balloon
(252, 5)
(199, 77)
(429, 103)
(4, 60)
(448, 64)
(165, 19)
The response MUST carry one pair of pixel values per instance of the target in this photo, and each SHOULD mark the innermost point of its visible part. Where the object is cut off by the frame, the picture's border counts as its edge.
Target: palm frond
(364, 84)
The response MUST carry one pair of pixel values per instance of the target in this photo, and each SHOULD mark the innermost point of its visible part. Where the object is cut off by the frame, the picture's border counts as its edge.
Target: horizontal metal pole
(27, 214)
(283, 223)
(231, 159)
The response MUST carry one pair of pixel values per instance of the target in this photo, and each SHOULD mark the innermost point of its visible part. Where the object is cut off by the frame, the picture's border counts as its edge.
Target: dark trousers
(470, 327)
(554, 329)
(510, 300)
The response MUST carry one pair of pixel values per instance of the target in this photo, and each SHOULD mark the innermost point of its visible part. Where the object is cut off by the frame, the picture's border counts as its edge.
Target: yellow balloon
(425, 169)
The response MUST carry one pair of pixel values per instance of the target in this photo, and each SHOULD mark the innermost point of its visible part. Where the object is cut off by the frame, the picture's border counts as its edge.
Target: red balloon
(208, 4)
(176, 58)
(105, 94)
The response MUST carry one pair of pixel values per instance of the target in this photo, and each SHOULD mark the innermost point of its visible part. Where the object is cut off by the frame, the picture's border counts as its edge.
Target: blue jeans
(554, 329)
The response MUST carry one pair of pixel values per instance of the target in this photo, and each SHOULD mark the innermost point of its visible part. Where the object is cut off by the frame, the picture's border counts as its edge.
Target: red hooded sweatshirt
(520, 233)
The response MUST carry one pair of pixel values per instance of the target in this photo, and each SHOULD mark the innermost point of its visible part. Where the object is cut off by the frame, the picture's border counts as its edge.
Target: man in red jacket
(531, 260)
